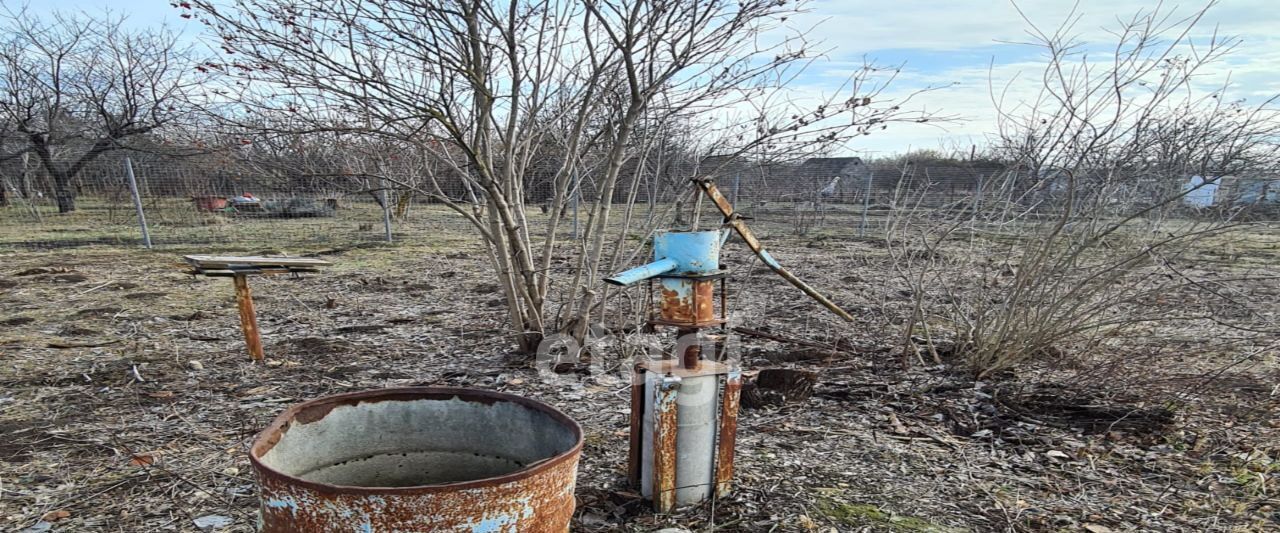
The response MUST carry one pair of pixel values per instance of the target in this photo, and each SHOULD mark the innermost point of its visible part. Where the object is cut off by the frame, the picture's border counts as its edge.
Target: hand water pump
(684, 410)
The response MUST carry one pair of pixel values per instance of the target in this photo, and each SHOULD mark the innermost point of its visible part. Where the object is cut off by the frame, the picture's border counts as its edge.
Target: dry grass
(925, 449)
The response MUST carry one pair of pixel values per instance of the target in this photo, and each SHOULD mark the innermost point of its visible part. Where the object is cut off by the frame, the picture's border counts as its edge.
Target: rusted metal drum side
(542, 502)
(536, 497)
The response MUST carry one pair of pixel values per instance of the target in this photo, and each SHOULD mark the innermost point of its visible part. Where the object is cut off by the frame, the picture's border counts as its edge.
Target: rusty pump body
(684, 410)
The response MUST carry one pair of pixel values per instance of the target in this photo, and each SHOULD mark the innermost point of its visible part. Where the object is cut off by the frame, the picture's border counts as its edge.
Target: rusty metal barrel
(418, 459)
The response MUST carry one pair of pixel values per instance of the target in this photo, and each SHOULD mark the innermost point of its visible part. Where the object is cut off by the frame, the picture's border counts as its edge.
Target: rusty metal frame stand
(672, 368)
(665, 428)
(727, 434)
(666, 423)
(239, 269)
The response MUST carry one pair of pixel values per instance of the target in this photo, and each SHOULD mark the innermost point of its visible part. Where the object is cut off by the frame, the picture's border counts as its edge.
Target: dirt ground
(127, 400)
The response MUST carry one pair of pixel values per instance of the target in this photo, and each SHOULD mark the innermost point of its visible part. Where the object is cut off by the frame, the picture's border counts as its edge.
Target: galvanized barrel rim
(267, 439)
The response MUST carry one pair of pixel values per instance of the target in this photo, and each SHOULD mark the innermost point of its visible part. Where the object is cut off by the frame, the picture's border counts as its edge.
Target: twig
(82, 293)
(64, 345)
(136, 375)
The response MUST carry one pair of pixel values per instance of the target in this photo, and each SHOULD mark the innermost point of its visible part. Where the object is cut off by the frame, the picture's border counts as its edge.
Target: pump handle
(735, 221)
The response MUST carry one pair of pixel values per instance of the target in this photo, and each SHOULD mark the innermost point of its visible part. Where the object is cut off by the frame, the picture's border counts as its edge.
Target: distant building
(829, 178)
(1256, 191)
(1230, 191)
(831, 167)
(1201, 191)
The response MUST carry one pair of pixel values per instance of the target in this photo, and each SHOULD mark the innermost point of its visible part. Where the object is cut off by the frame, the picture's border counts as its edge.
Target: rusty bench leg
(248, 317)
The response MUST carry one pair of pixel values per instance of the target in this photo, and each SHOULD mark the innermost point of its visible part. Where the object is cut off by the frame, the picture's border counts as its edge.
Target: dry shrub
(1085, 235)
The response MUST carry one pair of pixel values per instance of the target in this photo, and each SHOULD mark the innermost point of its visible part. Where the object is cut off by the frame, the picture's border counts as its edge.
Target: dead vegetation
(134, 413)
(1038, 357)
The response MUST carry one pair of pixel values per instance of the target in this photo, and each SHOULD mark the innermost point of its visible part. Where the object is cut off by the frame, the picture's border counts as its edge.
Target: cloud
(970, 45)
(963, 45)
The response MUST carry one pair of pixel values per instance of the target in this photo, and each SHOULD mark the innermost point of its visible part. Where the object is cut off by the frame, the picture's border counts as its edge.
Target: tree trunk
(62, 174)
(24, 179)
(403, 200)
(64, 193)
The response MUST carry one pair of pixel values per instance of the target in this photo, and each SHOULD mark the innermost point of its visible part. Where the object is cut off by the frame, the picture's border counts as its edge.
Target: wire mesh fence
(216, 204)
(182, 204)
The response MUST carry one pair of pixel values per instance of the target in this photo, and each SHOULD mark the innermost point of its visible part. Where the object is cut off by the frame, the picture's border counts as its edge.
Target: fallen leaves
(80, 402)
(54, 516)
(144, 459)
(212, 522)
(897, 424)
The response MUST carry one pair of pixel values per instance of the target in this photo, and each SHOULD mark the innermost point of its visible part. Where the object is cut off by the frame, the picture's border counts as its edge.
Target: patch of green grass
(863, 514)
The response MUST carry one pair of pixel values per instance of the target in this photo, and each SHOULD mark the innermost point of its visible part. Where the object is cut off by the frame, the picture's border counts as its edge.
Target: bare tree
(487, 90)
(78, 86)
(1088, 225)
(6, 186)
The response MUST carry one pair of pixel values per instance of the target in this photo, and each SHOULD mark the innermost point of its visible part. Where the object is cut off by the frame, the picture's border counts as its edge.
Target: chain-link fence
(209, 202)
(169, 201)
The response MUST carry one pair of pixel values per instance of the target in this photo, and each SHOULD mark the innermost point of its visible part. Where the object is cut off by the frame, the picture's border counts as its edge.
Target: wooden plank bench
(239, 268)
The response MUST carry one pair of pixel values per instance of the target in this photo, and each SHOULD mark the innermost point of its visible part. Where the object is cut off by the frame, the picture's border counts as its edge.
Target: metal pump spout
(642, 272)
(677, 253)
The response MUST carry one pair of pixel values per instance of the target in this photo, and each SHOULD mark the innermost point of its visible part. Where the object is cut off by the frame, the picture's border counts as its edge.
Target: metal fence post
(977, 206)
(137, 201)
(866, 205)
(386, 210)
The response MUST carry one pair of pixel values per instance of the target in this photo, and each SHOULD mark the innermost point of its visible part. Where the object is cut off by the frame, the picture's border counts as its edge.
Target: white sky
(941, 42)
(965, 42)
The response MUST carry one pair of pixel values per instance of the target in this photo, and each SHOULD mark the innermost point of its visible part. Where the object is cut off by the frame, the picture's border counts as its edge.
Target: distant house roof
(717, 165)
(942, 171)
(827, 166)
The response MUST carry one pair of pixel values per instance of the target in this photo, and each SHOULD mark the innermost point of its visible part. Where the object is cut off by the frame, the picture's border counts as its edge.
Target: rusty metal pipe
(248, 317)
(637, 423)
(727, 432)
(665, 425)
(733, 220)
(692, 353)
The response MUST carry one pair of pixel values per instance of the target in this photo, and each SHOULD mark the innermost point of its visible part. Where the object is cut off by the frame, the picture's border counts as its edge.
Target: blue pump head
(677, 253)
